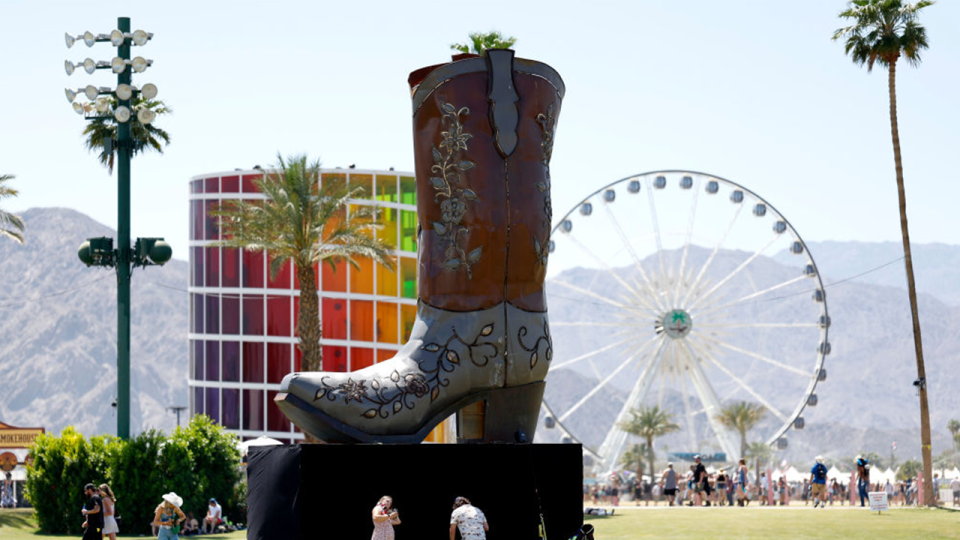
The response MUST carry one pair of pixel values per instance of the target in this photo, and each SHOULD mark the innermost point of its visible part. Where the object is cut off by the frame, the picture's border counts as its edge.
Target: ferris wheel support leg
(616, 438)
(712, 405)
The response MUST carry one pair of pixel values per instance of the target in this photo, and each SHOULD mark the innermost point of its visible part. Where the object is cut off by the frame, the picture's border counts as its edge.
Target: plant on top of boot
(483, 137)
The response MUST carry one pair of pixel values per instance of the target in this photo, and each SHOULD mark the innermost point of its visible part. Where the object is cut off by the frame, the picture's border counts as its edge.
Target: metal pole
(123, 248)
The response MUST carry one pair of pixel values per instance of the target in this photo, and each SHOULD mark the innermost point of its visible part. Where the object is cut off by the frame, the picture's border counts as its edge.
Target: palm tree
(742, 416)
(634, 458)
(302, 221)
(145, 136)
(649, 423)
(882, 32)
(11, 225)
(954, 427)
(481, 41)
(760, 453)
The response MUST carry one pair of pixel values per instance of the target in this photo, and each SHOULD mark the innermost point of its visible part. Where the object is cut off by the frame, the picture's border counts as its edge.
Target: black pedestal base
(329, 491)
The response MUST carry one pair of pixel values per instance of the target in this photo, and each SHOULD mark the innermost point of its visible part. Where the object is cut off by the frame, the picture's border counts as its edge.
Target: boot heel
(502, 414)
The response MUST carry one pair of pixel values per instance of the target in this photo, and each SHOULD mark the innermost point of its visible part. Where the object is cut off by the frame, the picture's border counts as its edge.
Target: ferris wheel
(686, 291)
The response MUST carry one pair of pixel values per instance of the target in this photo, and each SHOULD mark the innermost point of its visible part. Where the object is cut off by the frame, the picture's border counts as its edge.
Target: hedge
(197, 462)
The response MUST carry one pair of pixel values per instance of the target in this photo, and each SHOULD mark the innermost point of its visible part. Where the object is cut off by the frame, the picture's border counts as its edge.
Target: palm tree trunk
(743, 444)
(650, 457)
(912, 291)
(308, 325)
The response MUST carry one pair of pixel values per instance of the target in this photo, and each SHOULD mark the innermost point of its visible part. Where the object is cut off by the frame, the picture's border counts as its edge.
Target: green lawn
(19, 524)
(761, 523)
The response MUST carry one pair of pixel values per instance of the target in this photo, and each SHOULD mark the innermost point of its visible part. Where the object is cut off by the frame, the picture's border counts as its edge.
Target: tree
(761, 453)
(304, 222)
(145, 136)
(954, 427)
(882, 32)
(11, 225)
(742, 416)
(910, 469)
(481, 41)
(649, 423)
(634, 458)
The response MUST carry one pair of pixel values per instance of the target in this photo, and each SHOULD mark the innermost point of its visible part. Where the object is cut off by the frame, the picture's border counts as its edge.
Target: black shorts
(92, 533)
(706, 488)
(670, 492)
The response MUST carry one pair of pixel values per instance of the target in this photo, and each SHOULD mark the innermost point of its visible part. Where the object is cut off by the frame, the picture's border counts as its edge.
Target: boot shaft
(483, 134)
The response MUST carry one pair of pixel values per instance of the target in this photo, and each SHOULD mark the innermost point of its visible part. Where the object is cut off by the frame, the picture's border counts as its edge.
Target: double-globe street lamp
(100, 251)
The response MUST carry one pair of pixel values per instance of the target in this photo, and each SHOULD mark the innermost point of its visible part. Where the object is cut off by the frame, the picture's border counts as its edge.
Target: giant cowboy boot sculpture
(480, 347)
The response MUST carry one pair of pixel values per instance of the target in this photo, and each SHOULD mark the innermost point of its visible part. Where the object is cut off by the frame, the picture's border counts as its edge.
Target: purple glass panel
(197, 308)
(231, 361)
(196, 266)
(212, 313)
(213, 267)
(212, 185)
(213, 404)
(276, 420)
(253, 410)
(278, 316)
(231, 267)
(252, 315)
(211, 230)
(198, 360)
(196, 186)
(196, 220)
(213, 361)
(198, 401)
(231, 408)
(252, 362)
(230, 305)
(278, 361)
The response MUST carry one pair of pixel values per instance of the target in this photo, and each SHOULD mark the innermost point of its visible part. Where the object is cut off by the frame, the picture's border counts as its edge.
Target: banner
(16, 437)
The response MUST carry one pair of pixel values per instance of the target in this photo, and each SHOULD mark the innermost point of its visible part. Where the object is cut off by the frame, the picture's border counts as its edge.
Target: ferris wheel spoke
(760, 325)
(708, 398)
(603, 383)
(656, 230)
(616, 438)
(713, 255)
(755, 294)
(633, 255)
(686, 243)
(736, 271)
(584, 323)
(687, 411)
(595, 352)
(640, 298)
(589, 293)
(752, 354)
(740, 382)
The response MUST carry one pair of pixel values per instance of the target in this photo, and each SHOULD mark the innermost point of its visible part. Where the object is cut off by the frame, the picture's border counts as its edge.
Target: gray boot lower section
(452, 359)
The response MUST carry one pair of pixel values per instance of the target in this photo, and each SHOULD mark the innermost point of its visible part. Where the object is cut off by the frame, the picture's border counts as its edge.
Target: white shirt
(214, 511)
(469, 519)
(889, 489)
(955, 484)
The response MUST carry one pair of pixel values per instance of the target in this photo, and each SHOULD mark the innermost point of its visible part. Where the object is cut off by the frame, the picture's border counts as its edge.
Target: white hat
(173, 499)
(820, 459)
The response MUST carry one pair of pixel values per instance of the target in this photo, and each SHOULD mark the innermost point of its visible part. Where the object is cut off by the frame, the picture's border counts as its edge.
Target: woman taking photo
(385, 517)
(169, 517)
(110, 527)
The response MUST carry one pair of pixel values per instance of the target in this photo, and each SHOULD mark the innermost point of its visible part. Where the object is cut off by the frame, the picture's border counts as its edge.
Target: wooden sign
(17, 437)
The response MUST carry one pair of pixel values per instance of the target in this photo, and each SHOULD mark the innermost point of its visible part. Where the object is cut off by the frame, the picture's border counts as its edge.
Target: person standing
(863, 479)
(721, 487)
(742, 499)
(168, 517)
(955, 488)
(469, 519)
(110, 527)
(8, 492)
(818, 483)
(669, 482)
(93, 510)
(385, 517)
(702, 480)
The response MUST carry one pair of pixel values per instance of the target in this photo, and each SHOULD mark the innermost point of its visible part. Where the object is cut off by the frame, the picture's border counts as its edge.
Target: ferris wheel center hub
(676, 323)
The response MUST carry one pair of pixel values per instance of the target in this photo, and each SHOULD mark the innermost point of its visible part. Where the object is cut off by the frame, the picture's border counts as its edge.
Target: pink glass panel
(196, 301)
(278, 316)
(196, 263)
(253, 410)
(252, 362)
(231, 267)
(212, 312)
(212, 185)
(252, 315)
(213, 360)
(230, 304)
(230, 184)
(278, 361)
(248, 186)
(253, 271)
(282, 279)
(334, 358)
(276, 420)
(196, 220)
(213, 267)
(333, 318)
(211, 230)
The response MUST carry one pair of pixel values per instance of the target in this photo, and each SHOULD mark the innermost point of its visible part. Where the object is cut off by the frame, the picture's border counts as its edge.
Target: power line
(9, 301)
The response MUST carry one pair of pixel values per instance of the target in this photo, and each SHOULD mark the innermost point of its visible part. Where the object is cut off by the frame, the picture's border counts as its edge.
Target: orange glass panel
(360, 358)
(335, 278)
(362, 181)
(361, 320)
(361, 281)
(385, 354)
(408, 277)
(387, 327)
(386, 280)
(408, 314)
(333, 318)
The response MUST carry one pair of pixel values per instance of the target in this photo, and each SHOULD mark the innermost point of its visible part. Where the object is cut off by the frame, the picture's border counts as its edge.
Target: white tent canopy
(262, 440)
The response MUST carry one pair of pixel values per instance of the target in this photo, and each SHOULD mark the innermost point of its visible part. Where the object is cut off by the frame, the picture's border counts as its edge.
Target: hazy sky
(752, 91)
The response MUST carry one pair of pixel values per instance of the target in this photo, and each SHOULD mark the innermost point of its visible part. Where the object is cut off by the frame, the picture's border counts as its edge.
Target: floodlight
(89, 38)
(116, 38)
(139, 64)
(71, 95)
(89, 66)
(124, 91)
(122, 114)
(102, 105)
(118, 65)
(145, 115)
(69, 39)
(68, 67)
(140, 38)
(77, 108)
(149, 91)
(91, 92)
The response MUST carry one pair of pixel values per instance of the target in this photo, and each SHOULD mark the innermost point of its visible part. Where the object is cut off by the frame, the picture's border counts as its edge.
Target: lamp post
(100, 251)
(177, 409)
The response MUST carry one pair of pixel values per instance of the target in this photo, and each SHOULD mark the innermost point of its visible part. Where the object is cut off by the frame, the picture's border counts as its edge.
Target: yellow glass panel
(386, 281)
(386, 188)
(363, 181)
(408, 314)
(332, 177)
(387, 324)
(387, 218)
(361, 281)
(408, 277)
(408, 190)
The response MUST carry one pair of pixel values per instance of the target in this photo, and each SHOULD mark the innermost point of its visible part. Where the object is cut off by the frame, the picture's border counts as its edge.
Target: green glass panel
(408, 231)
(408, 277)
(408, 190)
